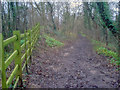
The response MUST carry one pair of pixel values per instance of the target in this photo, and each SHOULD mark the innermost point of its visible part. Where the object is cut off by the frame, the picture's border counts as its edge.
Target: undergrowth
(102, 49)
(51, 42)
(113, 56)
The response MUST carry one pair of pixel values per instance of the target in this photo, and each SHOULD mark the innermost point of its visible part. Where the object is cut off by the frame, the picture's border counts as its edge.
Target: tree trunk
(9, 28)
(17, 17)
(13, 15)
(3, 23)
(106, 37)
(0, 17)
(119, 42)
(105, 17)
(51, 13)
(87, 12)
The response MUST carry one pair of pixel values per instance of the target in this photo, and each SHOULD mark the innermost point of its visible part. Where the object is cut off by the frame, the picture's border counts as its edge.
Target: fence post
(2, 62)
(33, 36)
(18, 57)
(26, 52)
(38, 31)
(29, 38)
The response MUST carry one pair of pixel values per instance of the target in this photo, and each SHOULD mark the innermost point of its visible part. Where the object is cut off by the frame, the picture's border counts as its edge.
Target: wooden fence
(17, 56)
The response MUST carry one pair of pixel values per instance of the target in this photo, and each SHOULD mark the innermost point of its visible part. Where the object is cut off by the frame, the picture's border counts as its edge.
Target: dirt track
(74, 66)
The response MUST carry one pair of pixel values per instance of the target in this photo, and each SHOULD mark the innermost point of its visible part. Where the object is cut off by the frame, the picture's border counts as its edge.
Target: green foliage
(22, 41)
(102, 49)
(52, 42)
(111, 54)
(104, 11)
(97, 43)
(103, 44)
(106, 52)
(7, 54)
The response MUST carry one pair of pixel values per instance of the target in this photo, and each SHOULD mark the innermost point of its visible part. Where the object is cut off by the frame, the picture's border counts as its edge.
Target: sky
(74, 4)
(61, 0)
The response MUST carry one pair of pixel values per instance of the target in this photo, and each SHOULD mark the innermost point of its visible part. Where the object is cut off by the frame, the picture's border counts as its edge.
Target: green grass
(51, 42)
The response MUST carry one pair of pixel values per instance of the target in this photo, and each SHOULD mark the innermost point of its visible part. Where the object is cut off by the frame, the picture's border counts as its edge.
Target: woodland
(71, 34)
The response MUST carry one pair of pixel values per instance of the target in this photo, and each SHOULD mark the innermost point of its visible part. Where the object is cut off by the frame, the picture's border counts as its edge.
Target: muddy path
(74, 66)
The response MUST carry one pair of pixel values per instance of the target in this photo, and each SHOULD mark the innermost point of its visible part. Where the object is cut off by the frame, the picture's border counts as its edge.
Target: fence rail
(30, 37)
